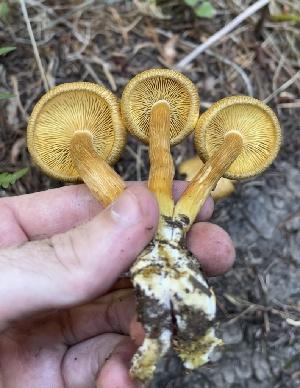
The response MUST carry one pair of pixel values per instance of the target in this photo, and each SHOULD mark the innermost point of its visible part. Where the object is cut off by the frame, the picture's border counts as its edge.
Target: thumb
(80, 264)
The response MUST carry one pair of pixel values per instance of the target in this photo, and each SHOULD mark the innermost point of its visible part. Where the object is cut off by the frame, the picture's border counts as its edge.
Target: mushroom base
(174, 303)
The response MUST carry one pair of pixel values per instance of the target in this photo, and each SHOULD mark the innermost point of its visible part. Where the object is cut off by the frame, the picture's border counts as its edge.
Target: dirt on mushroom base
(259, 298)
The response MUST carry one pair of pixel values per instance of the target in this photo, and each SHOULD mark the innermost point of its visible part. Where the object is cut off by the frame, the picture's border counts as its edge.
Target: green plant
(202, 9)
(4, 10)
(4, 50)
(7, 179)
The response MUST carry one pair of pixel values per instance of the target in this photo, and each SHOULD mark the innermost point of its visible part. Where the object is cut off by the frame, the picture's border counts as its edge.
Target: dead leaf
(169, 50)
(16, 150)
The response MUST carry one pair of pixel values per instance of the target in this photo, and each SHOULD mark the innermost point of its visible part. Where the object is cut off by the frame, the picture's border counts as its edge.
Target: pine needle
(34, 45)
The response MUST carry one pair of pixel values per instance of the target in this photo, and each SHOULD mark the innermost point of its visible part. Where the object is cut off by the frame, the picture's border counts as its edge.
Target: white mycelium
(175, 304)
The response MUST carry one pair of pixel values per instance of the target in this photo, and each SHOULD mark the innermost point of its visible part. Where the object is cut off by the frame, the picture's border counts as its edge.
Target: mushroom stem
(105, 184)
(172, 296)
(203, 183)
(162, 167)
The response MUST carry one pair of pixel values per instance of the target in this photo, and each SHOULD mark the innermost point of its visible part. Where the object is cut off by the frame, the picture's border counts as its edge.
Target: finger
(111, 313)
(207, 208)
(44, 214)
(47, 213)
(123, 282)
(114, 372)
(81, 264)
(104, 359)
(212, 246)
(137, 333)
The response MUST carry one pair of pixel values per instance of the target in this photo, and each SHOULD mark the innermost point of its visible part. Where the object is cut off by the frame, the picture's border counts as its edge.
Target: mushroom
(160, 107)
(75, 132)
(238, 137)
(174, 303)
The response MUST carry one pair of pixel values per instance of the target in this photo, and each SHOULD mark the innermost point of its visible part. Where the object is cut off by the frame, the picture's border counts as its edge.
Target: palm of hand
(68, 348)
(44, 341)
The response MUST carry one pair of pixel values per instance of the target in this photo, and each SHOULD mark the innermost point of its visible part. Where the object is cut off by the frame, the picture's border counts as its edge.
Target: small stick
(220, 34)
(282, 87)
(34, 46)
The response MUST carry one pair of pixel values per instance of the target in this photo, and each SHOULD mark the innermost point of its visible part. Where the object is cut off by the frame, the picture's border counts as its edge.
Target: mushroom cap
(150, 86)
(253, 120)
(66, 109)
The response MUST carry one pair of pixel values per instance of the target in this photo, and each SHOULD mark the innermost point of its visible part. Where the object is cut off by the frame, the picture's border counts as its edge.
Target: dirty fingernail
(126, 209)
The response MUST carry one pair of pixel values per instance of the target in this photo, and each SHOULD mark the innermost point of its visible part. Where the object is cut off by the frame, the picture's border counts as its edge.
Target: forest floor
(109, 42)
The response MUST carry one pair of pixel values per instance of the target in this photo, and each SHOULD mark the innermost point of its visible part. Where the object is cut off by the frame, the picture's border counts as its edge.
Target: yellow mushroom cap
(253, 120)
(71, 107)
(150, 86)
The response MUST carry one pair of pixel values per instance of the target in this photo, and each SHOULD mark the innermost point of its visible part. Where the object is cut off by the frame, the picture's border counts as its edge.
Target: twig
(237, 68)
(282, 87)
(292, 322)
(14, 80)
(106, 71)
(93, 74)
(249, 309)
(34, 46)
(284, 18)
(221, 33)
(290, 105)
(94, 59)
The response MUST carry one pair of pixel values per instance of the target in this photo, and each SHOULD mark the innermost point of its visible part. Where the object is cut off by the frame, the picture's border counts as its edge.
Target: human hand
(65, 318)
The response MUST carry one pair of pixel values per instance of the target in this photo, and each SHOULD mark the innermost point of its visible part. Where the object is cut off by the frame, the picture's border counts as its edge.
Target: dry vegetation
(109, 41)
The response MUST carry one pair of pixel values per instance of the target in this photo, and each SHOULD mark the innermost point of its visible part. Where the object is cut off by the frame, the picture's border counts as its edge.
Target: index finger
(44, 214)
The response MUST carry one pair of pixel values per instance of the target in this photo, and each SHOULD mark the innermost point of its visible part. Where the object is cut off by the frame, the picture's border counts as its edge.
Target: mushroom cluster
(238, 137)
